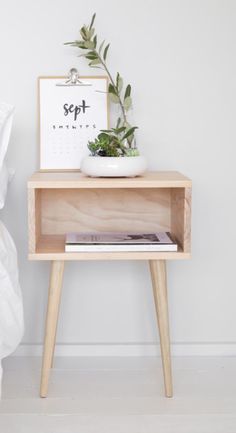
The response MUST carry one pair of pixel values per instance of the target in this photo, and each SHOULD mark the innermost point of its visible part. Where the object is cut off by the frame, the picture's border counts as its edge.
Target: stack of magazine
(119, 242)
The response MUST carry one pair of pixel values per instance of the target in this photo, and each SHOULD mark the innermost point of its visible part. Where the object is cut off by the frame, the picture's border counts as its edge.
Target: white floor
(119, 395)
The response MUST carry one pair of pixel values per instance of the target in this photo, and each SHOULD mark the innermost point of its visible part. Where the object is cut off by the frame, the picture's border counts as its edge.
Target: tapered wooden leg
(158, 274)
(54, 296)
(53, 350)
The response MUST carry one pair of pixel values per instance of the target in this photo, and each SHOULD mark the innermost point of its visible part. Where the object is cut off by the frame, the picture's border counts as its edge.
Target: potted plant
(114, 151)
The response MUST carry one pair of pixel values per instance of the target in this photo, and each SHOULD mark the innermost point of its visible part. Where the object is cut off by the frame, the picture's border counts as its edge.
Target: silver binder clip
(73, 79)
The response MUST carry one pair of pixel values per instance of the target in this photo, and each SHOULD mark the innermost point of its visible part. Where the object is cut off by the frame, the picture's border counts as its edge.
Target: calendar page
(70, 116)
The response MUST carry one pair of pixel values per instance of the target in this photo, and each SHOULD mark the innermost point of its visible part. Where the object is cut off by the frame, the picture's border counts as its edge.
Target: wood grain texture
(34, 218)
(118, 210)
(54, 296)
(52, 247)
(158, 275)
(155, 179)
(63, 202)
(157, 201)
(181, 217)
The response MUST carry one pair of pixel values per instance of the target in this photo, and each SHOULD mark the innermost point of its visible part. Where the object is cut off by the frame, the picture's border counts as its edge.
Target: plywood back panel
(66, 210)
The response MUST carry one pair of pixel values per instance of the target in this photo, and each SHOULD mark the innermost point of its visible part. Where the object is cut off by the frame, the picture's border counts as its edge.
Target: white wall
(180, 58)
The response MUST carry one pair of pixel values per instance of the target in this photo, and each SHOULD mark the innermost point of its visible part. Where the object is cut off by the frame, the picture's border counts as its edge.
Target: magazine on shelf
(111, 242)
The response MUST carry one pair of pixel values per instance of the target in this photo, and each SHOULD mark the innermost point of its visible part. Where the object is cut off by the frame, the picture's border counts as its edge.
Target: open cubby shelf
(70, 202)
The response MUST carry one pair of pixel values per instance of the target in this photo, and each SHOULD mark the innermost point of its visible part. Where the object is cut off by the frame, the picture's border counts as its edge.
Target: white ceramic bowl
(106, 166)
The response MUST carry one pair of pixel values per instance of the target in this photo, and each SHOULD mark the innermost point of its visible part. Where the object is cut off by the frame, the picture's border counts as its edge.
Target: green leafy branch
(97, 55)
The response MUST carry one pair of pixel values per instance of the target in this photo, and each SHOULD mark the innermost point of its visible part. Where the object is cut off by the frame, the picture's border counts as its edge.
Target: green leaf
(92, 21)
(129, 132)
(103, 135)
(80, 44)
(90, 33)
(119, 82)
(117, 78)
(114, 98)
(101, 46)
(119, 130)
(127, 103)
(95, 41)
(94, 62)
(112, 89)
(89, 57)
(92, 53)
(105, 52)
(83, 32)
(118, 122)
(106, 130)
(131, 152)
(89, 45)
(127, 91)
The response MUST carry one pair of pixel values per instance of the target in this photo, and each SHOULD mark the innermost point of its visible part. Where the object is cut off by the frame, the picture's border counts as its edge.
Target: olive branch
(123, 133)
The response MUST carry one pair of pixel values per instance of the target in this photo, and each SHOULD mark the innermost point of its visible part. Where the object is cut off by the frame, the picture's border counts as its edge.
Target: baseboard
(131, 349)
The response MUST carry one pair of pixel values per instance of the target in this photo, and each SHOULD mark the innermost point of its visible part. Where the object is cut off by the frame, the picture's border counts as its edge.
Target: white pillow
(6, 117)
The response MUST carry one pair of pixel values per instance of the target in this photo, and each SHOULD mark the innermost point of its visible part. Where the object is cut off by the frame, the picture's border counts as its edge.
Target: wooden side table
(59, 203)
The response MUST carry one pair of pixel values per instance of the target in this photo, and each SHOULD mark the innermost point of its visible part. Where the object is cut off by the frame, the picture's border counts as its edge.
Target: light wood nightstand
(64, 202)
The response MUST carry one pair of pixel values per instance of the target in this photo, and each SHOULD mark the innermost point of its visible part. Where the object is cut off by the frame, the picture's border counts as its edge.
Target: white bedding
(6, 118)
(11, 309)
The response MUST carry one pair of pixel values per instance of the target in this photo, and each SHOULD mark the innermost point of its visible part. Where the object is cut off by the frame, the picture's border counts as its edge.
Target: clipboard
(72, 111)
